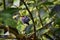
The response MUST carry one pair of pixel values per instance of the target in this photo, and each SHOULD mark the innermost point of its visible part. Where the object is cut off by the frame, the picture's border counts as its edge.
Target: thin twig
(31, 18)
(4, 4)
(39, 14)
(42, 28)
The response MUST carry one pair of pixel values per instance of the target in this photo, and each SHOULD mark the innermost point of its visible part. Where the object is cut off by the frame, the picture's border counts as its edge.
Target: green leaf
(28, 29)
(6, 16)
(16, 3)
(42, 31)
(10, 10)
(57, 31)
(57, 21)
(48, 3)
(10, 22)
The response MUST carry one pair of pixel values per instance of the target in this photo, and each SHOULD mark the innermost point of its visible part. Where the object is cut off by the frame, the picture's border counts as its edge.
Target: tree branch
(31, 18)
(45, 26)
(39, 14)
(4, 4)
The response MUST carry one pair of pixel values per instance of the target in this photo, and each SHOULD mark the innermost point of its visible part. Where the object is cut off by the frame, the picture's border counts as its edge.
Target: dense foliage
(31, 19)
